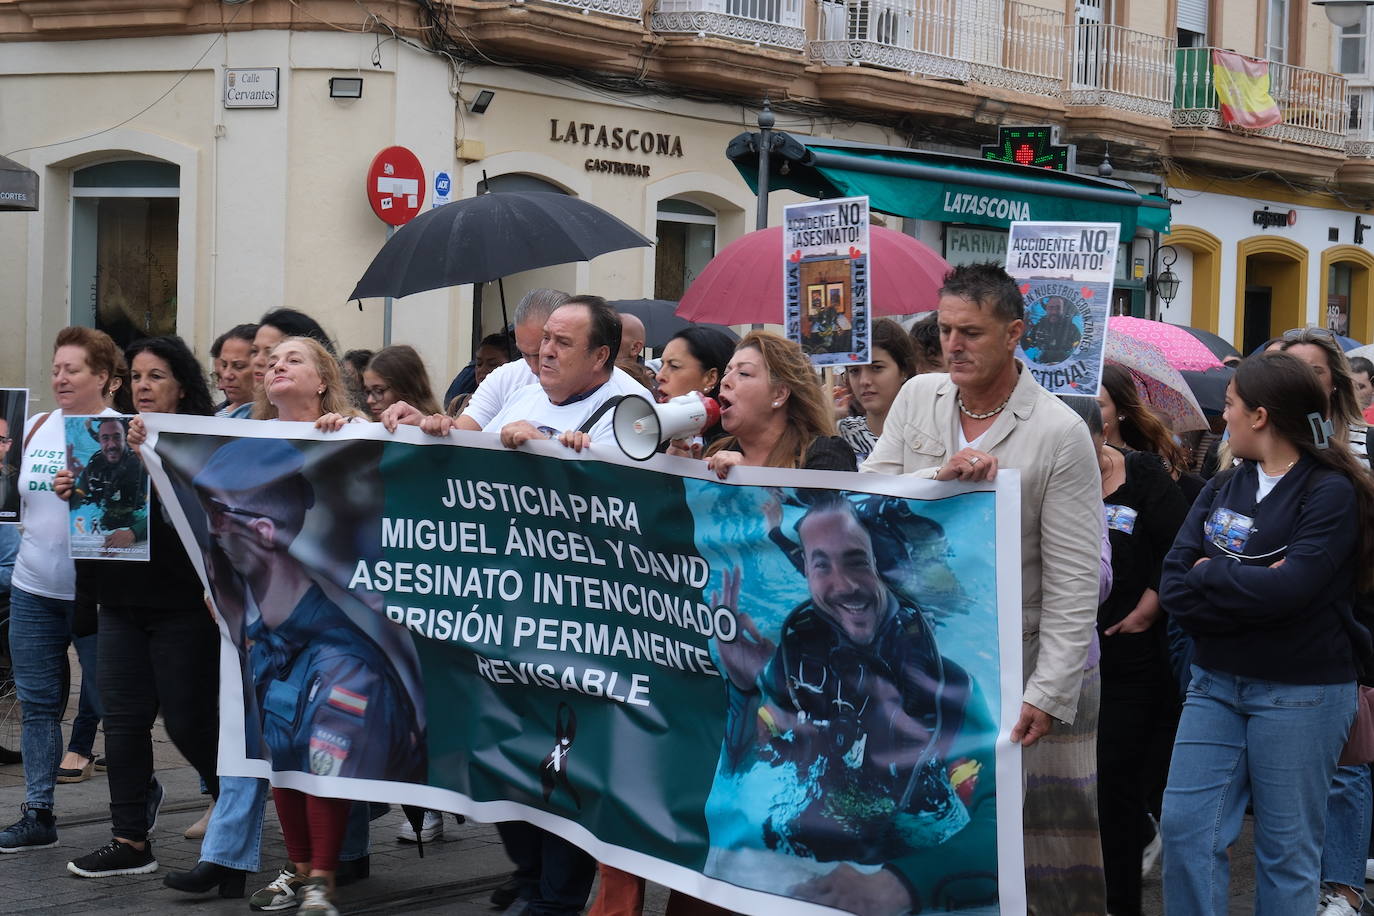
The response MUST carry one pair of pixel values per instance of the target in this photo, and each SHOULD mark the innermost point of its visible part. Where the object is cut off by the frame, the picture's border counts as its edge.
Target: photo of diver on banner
(877, 747)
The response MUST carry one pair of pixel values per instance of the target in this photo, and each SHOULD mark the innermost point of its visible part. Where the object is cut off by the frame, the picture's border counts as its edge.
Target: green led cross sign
(1034, 146)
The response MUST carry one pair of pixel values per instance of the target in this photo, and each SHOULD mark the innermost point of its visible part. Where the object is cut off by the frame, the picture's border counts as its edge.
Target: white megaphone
(641, 426)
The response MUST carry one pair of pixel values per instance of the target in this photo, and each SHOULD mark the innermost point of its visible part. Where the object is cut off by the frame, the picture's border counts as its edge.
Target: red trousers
(622, 894)
(312, 826)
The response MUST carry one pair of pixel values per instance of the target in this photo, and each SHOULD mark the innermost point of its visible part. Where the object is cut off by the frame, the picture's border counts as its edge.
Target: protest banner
(825, 269)
(14, 407)
(637, 657)
(108, 508)
(1065, 272)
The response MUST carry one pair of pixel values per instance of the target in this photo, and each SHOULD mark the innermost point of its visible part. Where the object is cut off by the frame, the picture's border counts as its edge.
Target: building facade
(196, 170)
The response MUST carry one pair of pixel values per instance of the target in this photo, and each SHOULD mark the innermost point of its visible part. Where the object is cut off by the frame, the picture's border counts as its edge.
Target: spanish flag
(1242, 85)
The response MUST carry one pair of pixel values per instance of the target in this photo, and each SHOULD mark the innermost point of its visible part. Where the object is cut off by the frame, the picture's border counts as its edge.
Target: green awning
(946, 188)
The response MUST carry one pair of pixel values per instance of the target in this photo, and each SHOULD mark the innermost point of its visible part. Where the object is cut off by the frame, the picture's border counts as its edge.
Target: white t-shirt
(496, 390)
(44, 566)
(532, 404)
(1266, 483)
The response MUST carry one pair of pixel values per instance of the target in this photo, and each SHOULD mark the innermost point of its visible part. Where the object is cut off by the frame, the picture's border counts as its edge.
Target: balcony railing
(1008, 44)
(1313, 104)
(1359, 122)
(1120, 68)
(628, 9)
(777, 23)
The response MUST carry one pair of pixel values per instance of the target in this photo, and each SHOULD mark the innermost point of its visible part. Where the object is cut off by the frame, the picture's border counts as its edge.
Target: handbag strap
(36, 427)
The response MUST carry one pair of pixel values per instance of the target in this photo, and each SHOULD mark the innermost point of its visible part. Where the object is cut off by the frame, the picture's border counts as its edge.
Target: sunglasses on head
(1305, 333)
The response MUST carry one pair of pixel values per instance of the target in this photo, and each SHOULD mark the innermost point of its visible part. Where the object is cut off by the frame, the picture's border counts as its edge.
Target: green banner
(792, 689)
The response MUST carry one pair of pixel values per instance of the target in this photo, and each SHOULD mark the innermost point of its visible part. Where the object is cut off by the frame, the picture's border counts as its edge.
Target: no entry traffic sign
(396, 185)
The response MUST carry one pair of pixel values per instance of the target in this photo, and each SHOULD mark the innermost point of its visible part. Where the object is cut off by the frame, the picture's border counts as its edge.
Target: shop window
(1338, 298)
(124, 248)
(686, 244)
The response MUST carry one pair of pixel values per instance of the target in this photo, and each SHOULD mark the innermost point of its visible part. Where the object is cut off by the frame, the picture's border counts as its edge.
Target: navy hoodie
(1288, 624)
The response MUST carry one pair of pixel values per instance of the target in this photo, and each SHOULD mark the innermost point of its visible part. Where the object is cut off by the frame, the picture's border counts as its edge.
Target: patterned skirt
(1062, 843)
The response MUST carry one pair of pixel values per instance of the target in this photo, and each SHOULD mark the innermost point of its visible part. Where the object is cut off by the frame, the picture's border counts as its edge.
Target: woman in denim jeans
(43, 593)
(1262, 576)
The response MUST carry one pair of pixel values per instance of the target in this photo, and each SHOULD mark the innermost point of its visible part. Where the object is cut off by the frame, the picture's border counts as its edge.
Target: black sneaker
(115, 859)
(35, 829)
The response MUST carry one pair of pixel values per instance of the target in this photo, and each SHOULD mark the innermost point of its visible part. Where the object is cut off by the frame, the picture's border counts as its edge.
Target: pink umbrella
(743, 284)
(1159, 384)
(1181, 349)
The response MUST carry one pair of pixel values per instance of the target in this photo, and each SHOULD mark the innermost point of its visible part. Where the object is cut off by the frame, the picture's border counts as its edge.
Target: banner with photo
(786, 692)
(825, 267)
(108, 508)
(1065, 271)
(14, 408)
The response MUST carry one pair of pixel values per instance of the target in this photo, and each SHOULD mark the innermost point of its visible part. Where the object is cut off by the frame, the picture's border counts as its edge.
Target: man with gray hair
(496, 389)
(987, 413)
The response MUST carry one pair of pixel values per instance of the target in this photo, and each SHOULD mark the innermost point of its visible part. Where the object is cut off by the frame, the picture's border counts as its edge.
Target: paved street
(456, 875)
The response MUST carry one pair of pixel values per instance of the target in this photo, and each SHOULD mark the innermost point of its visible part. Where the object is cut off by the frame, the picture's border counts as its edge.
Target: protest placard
(748, 690)
(108, 508)
(1065, 273)
(14, 406)
(826, 265)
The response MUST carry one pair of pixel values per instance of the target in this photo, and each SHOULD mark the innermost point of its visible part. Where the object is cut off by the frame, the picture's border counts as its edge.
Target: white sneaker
(1150, 858)
(430, 830)
(1369, 869)
(1337, 905)
(315, 899)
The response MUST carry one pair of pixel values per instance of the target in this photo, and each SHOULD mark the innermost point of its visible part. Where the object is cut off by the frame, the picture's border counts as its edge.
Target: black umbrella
(660, 322)
(1221, 348)
(1210, 388)
(490, 236)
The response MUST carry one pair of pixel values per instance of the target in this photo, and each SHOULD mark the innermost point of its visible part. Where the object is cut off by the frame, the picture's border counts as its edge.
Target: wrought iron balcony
(1359, 122)
(776, 23)
(627, 9)
(1313, 104)
(1012, 45)
(1120, 68)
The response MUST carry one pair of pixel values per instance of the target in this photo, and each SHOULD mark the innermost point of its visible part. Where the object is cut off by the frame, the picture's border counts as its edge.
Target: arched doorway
(1271, 289)
(1346, 292)
(125, 248)
(558, 276)
(1204, 287)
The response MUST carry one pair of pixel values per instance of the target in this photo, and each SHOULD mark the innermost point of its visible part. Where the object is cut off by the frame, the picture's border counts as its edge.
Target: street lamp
(1166, 282)
(1343, 13)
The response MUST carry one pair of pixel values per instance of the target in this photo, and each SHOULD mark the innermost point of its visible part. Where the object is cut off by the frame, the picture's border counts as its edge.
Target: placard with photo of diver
(108, 507)
(1065, 272)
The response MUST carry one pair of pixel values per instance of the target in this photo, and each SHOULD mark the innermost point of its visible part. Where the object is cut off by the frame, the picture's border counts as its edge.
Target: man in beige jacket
(989, 412)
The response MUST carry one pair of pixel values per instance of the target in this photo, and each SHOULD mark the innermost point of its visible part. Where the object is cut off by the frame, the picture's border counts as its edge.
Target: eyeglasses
(220, 509)
(377, 393)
